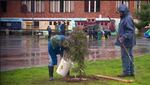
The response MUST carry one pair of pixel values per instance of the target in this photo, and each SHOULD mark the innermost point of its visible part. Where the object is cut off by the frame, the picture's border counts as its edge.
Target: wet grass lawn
(39, 75)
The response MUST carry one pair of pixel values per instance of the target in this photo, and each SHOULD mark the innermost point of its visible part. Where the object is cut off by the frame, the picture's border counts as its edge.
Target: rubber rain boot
(51, 71)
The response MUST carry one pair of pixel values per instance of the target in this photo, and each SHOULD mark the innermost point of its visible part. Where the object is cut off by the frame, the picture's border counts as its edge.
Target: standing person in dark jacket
(49, 31)
(63, 29)
(126, 40)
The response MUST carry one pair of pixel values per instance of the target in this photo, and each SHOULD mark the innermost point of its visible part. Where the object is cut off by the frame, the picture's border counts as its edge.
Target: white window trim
(94, 6)
(89, 6)
(69, 6)
(118, 3)
(136, 4)
(53, 6)
(58, 5)
(28, 6)
(64, 6)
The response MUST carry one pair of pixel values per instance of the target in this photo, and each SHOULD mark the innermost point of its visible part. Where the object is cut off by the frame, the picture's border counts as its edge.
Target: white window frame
(94, 6)
(68, 6)
(118, 3)
(64, 9)
(89, 9)
(89, 6)
(38, 5)
(136, 3)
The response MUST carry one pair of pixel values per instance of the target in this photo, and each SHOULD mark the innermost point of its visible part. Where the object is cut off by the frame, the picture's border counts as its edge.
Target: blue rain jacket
(54, 48)
(126, 28)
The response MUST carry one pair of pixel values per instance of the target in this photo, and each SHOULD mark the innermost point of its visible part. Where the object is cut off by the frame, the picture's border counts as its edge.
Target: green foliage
(143, 15)
(77, 49)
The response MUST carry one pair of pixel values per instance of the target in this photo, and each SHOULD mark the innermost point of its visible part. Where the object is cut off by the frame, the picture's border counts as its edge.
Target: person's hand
(146, 27)
(121, 39)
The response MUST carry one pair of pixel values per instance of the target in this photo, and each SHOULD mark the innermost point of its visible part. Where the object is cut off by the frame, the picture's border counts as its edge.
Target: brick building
(38, 14)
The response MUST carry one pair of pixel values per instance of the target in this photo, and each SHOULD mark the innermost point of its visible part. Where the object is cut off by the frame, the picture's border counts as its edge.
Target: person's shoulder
(128, 19)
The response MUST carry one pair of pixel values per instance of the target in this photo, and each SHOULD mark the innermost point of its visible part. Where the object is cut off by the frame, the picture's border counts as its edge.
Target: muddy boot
(51, 71)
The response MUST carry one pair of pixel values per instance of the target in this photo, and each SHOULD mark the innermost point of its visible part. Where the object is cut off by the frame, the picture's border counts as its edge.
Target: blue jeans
(127, 60)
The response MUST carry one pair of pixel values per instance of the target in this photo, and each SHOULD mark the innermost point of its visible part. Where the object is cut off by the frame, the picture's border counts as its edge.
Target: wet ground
(27, 51)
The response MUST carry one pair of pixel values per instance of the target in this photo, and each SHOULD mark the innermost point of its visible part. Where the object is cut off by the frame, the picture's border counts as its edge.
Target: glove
(121, 39)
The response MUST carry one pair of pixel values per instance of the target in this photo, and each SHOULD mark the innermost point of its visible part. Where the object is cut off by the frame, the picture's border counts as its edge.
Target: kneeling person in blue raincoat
(54, 48)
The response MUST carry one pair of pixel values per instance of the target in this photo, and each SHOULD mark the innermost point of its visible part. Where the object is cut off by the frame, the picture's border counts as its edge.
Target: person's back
(56, 41)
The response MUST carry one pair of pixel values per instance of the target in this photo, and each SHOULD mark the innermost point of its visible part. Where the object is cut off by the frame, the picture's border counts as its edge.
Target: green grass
(39, 75)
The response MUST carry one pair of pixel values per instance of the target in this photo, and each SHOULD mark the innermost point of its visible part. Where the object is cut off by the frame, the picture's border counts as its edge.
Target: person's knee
(50, 63)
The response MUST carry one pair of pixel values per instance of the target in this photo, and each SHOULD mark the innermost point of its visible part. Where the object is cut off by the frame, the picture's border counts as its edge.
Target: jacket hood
(123, 9)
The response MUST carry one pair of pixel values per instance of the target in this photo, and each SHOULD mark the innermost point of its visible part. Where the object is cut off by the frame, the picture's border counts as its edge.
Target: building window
(3, 6)
(125, 2)
(138, 5)
(32, 6)
(61, 6)
(68, 23)
(79, 23)
(3, 24)
(36, 24)
(55, 23)
(50, 23)
(92, 5)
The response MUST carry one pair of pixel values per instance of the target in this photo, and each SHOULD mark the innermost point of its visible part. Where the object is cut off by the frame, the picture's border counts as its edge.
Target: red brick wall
(106, 8)
(132, 7)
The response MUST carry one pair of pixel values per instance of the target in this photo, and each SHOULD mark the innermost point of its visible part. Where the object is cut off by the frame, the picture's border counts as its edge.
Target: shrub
(76, 49)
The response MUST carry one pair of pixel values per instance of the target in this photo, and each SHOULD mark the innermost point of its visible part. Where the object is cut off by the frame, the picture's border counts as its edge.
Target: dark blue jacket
(62, 29)
(54, 47)
(126, 28)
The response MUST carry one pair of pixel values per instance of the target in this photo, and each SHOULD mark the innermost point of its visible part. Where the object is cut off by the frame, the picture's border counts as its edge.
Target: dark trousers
(49, 34)
(51, 71)
(127, 61)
